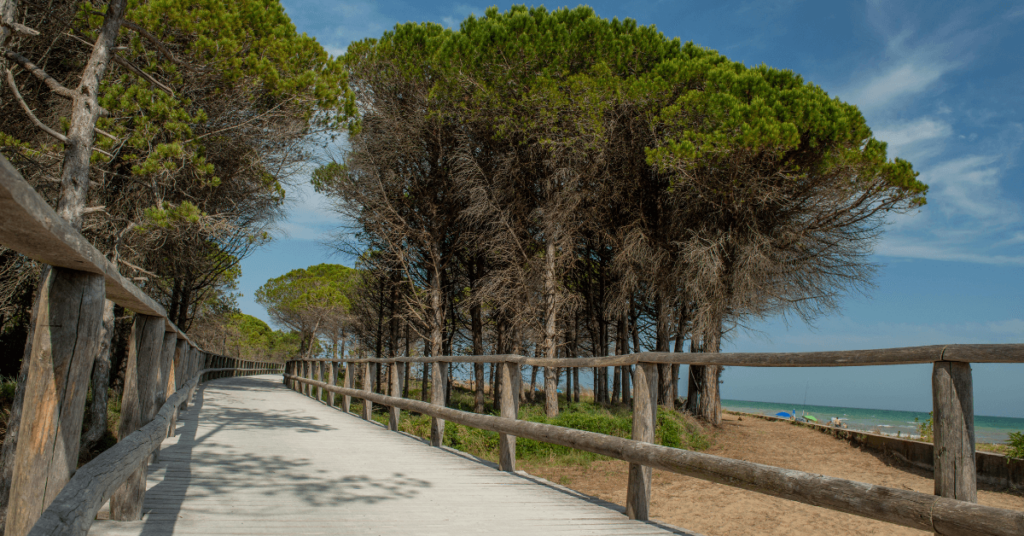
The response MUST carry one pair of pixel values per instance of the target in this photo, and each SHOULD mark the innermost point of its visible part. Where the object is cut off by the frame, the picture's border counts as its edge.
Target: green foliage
(324, 286)
(673, 429)
(1016, 443)
(926, 428)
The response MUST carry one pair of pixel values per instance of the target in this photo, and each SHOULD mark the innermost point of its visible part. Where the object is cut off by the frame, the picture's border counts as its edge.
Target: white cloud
(903, 135)
(905, 79)
(915, 248)
(969, 186)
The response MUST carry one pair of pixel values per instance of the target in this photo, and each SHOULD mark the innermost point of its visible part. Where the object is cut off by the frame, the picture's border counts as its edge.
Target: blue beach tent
(784, 415)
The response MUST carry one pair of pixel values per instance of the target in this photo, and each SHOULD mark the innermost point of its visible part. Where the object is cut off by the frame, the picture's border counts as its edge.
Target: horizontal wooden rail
(958, 353)
(907, 508)
(31, 227)
(73, 511)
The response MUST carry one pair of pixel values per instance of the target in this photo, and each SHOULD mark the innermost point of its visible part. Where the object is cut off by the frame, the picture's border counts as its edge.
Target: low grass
(674, 429)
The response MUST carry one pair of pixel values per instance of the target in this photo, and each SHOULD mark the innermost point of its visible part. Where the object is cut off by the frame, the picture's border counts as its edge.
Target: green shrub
(926, 428)
(1016, 445)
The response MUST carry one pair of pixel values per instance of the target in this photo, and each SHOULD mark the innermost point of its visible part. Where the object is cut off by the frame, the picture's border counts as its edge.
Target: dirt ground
(719, 510)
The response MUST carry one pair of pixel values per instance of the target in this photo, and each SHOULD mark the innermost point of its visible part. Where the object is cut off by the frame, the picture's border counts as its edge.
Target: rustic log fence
(950, 511)
(163, 368)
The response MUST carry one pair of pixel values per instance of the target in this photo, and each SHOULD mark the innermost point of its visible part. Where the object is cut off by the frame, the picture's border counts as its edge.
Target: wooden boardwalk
(253, 457)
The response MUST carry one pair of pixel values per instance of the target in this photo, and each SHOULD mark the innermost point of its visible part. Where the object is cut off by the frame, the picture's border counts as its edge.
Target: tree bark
(550, 331)
(661, 305)
(478, 349)
(709, 407)
(64, 344)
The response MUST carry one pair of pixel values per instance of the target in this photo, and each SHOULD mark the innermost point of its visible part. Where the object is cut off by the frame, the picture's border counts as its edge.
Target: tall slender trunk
(661, 306)
(622, 348)
(532, 396)
(550, 331)
(709, 407)
(478, 349)
(694, 379)
(405, 380)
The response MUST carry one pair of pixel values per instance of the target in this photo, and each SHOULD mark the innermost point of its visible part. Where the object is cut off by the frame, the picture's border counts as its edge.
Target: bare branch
(17, 95)
(50, 81)
(57, 135)
(90, 210)
(21, 29)
(136, 268)
(149, 78)
(124, 63)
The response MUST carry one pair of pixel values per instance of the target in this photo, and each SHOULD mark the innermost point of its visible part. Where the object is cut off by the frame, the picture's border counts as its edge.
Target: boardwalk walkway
(253, 457)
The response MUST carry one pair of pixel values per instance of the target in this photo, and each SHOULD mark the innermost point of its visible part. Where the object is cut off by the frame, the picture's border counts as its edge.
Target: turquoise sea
(890, 422)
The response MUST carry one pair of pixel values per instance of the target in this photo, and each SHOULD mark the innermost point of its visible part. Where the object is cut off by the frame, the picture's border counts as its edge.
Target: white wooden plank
(253, 457)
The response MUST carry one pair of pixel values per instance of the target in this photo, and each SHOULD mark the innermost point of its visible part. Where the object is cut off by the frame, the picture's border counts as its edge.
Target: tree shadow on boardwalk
(296, 481)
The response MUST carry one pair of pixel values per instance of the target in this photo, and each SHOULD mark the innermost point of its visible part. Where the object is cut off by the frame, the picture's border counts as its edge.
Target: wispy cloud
(969, 217)
(897, 82)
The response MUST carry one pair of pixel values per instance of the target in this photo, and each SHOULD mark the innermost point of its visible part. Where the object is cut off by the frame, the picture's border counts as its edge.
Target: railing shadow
(294, 478)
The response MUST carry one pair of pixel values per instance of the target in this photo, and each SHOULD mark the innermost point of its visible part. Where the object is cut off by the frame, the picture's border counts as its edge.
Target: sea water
(889, 422)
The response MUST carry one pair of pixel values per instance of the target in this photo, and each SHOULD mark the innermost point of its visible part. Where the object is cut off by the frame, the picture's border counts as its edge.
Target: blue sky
(940, 81)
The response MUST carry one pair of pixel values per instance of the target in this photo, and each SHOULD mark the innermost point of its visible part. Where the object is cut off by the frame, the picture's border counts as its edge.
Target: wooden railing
(163, 367)
(951, 511)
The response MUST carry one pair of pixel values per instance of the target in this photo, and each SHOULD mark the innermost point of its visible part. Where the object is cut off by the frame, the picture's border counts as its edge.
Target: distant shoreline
(894, 423)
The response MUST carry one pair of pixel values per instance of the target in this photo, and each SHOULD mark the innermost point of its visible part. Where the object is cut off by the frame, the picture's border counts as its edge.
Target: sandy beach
(719, 510)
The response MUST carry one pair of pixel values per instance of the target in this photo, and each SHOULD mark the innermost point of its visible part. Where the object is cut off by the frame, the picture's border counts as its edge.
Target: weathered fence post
(367, 386)
(319, 377)
(346, 401)
(645, 407)
(438, 387)
(65, 340)
(332, 373)
(396, 391)
(189, 369)
(164, 380)
(144, 351)
(953, 424)
(176, 380)
(510, 380)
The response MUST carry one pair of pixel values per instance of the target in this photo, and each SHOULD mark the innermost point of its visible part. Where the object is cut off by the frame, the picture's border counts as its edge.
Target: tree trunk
(709, 407)
(100, 381)
(405, 380)
(661, 307)
(532, 396)
(550, 331)
(478, 349)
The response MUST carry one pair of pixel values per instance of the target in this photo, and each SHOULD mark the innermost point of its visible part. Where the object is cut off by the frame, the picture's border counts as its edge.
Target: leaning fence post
(396, 391)
(953, 425)
(645, 404)
(367, 386)
(137, 407)
(438, 385)
(510, 380)
(65, 341)
(346, 400)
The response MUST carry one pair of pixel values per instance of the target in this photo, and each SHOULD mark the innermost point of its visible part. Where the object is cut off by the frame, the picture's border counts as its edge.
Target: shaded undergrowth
(674, 429)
